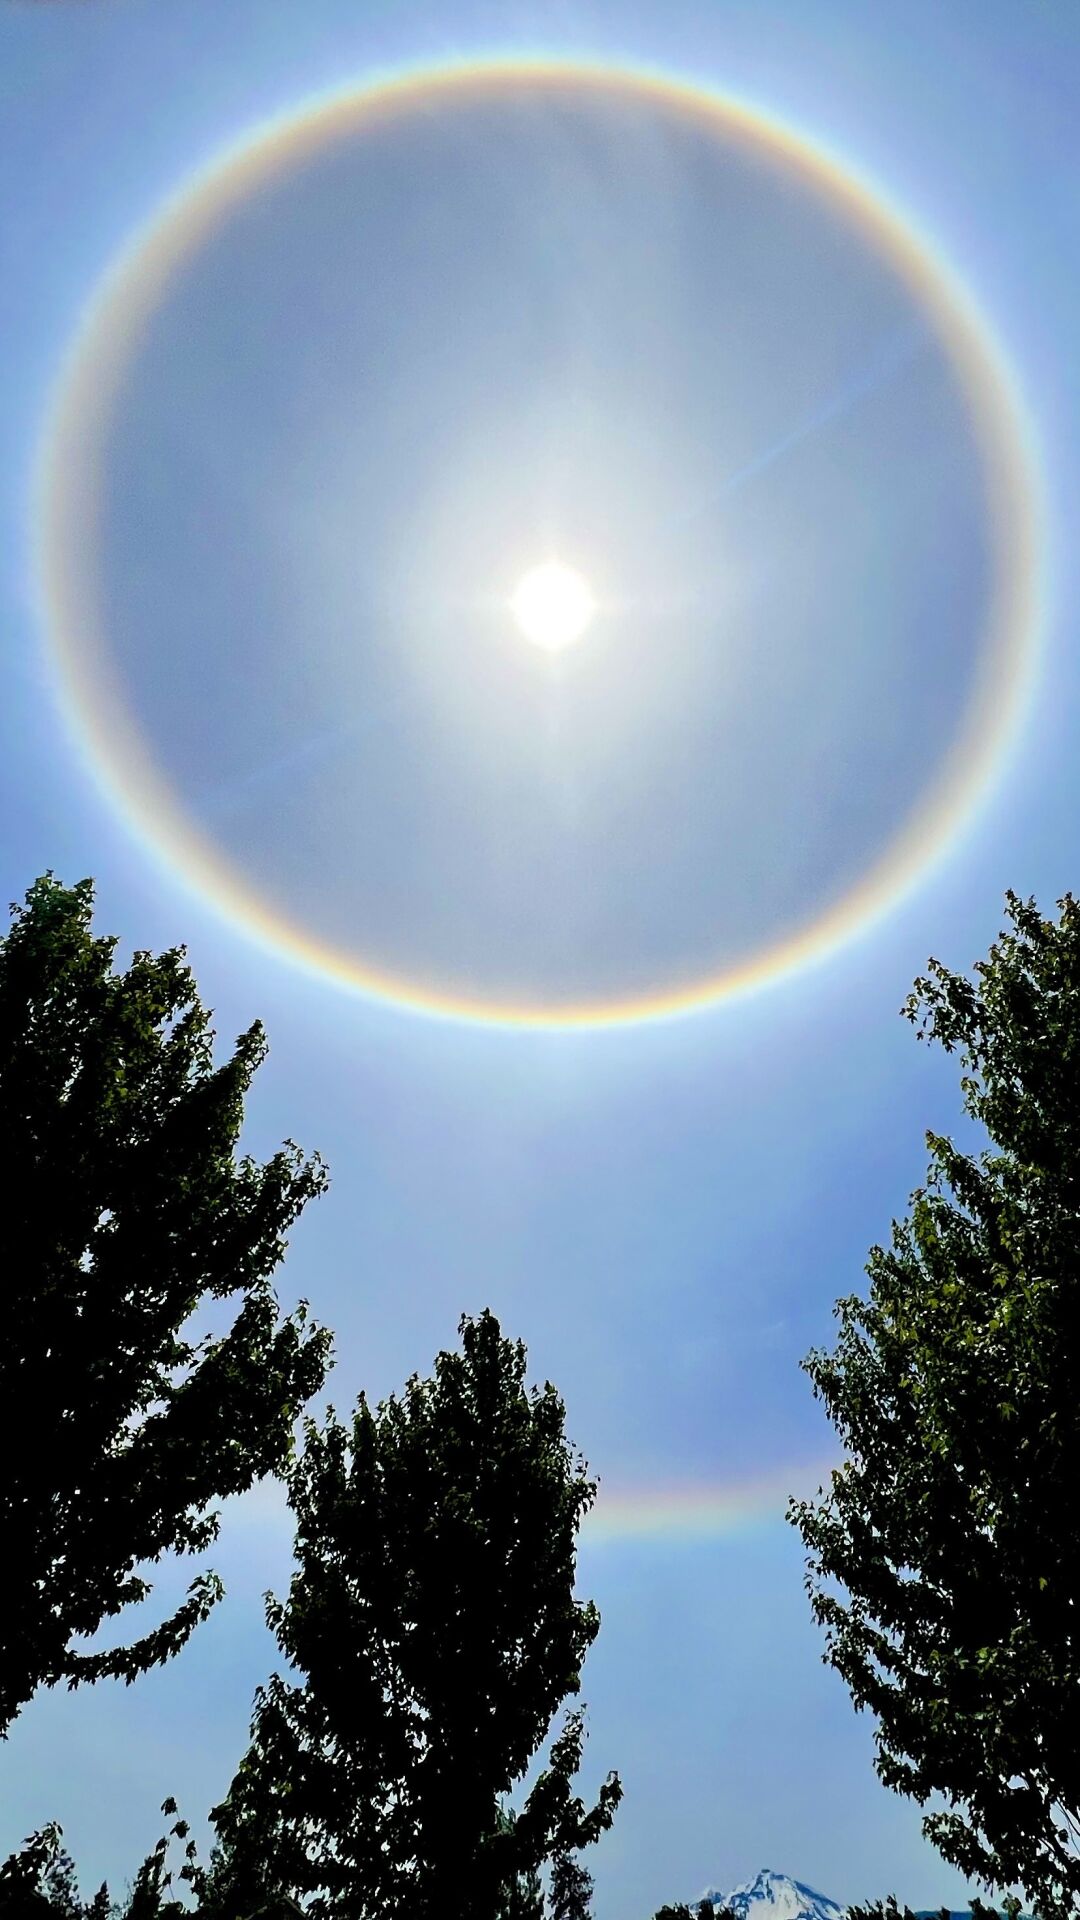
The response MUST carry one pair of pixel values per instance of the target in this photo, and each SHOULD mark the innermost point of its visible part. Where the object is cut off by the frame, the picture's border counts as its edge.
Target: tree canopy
(944, 1560)
(128, 1207)
(705, 1910)
(571, 1888)
(40, 1883)
(433, 1622)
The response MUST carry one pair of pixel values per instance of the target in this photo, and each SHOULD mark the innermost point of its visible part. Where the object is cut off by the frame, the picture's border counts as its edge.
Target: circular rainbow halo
(552, 606)
(608, 741)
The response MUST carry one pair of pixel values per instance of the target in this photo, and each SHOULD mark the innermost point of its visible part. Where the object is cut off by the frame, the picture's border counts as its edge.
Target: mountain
(775, 1896)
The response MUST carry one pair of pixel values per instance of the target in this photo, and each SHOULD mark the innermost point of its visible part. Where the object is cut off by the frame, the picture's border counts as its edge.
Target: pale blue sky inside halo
(706, 1187)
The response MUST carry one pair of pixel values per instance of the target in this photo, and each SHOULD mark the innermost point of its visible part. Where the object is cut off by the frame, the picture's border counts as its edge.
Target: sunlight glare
(552, 605)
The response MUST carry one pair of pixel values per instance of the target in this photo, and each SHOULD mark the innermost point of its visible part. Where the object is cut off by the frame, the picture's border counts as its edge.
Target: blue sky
(665, 1212)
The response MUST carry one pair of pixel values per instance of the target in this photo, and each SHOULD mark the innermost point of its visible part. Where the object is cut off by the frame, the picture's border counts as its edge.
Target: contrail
(232, 795)
(895, 352)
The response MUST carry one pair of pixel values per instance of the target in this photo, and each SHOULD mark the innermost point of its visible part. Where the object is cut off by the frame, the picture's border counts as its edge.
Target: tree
(147, 1899)
(944, 1562)
(128, 1208)
(522, 1897)
(40, 1883)
(571, 1889)
(433, 1621)
(706, 1910)
(890, 1909)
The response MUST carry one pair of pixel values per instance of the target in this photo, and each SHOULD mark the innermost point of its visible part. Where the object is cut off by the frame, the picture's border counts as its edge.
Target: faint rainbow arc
(65, 518)
(682, 1511)
(702, 1510)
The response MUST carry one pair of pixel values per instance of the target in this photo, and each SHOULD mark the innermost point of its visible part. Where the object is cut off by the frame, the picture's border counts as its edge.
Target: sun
(552, 605)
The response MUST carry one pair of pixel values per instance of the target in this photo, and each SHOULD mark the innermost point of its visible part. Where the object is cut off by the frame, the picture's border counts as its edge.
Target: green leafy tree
(944, 1561)
(433, 1621)
(126, 1208)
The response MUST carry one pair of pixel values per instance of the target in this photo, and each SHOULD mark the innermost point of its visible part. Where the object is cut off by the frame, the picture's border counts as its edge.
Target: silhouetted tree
(951, 1528)
(147, 1899)
(522, 1896)
(886, 1910)
(521, 1899)
(38, 1883)
(126, 1207)
(571, 1888)
(706, 1910)
(433, 1621)
(891, 1910)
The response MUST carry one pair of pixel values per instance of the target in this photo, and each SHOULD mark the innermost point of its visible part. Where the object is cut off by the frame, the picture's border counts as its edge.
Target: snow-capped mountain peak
(775, 1896)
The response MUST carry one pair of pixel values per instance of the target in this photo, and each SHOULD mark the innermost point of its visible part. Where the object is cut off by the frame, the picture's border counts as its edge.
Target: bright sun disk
(552, 605)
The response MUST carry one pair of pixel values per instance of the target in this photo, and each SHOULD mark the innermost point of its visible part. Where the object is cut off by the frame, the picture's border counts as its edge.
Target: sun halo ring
(94, 371)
